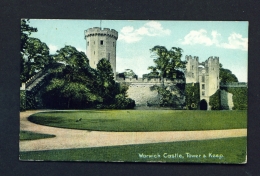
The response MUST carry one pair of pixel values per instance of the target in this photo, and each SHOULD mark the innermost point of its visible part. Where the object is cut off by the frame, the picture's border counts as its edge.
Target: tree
(73, 81)
(167, 62)
(34, 58)
(106, 85)
(114, 95)
(26, 30)
(226, 76)
(34, 53)
(70, 94)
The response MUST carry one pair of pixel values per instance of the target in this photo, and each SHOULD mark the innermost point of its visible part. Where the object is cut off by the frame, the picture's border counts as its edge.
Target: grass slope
(27, 135)
(232, 150)
(142, 120)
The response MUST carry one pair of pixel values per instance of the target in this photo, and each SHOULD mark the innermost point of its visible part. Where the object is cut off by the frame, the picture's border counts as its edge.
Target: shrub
(192, 92)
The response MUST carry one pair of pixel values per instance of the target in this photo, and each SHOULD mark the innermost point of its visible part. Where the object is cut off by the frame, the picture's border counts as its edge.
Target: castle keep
(101, 43)
(205, 73)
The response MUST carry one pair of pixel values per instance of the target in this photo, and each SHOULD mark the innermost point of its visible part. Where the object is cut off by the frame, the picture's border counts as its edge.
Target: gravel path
(70, 138)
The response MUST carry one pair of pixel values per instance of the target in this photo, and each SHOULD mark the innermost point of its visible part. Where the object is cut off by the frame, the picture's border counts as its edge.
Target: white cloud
(235, 41)
(200, 37)
(152, 28)
(53, 49)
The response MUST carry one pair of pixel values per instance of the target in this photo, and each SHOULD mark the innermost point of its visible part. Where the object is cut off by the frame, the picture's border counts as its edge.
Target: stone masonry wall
(142, 94)
(226, 100)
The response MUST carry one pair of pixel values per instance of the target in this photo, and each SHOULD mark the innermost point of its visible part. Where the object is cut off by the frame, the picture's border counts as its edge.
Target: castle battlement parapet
(234, 84)
(96, 31)
(215, 59)
(189, 57)
(149, 81)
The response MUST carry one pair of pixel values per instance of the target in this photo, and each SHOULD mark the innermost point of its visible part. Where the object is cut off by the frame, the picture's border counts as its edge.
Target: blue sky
(226, 39)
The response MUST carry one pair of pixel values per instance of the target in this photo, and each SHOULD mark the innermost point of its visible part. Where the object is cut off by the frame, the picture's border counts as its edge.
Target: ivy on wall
(239, 97)
(215, 101)
(192, 92)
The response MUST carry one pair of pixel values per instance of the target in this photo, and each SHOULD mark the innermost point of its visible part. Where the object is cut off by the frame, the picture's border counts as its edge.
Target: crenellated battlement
(213, 59)
(189, 57)
(97, 31)
(149, 81)
(234, 84)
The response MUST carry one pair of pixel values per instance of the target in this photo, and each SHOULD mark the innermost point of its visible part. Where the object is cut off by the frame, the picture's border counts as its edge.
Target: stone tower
(212, 68)
(205, 73)
(101, 43)
(192, 72)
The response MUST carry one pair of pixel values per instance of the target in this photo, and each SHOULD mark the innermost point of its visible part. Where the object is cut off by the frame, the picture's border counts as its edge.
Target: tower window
(203, 93)
(88, 43)
(192, 67)
(203, 86)
(203, 79)
(101, 42)
(113, 44)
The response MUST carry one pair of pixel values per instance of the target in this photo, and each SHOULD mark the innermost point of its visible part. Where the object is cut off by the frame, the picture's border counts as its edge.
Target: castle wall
(140, 90)
(226, 100)
(142, 94)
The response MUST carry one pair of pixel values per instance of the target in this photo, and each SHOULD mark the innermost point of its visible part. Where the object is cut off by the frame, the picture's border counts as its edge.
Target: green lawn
(231, 150)
(27, 135)
(143, 120)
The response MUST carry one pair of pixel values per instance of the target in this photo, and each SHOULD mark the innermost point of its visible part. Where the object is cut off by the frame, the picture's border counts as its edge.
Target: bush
(192, 92)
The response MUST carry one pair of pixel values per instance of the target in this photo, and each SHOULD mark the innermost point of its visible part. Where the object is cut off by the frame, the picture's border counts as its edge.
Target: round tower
(101, 43)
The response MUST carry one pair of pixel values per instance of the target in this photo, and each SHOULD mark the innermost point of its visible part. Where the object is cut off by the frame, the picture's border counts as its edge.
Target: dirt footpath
(70, 138)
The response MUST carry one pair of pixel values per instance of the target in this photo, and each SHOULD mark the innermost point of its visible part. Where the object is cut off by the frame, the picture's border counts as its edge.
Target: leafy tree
(73, 81)
(226, 76)
(105, 79)
(71, 94)
(114, 95)
(128, 73)
(35, 57)
(26, 30)
(34, 53)
(167, 62)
